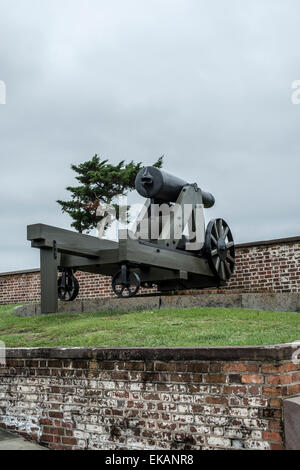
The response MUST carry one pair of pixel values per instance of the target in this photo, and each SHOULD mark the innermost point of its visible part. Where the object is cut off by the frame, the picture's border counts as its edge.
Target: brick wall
(24, 286)
(188, 398)
(272, 266)
(20, 287)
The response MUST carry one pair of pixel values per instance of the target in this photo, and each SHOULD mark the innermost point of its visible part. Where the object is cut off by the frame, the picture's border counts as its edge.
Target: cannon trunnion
(176, 253)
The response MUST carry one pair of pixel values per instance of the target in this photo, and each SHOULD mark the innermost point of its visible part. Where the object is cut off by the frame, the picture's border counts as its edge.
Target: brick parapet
(146, 398)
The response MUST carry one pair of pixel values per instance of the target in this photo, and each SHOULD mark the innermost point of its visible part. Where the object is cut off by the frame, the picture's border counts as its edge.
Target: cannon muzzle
(151, 182)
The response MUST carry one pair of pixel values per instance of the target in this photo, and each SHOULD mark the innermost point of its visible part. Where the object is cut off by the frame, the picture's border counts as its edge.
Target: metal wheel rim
(221, 260)
(130, 288)
(71, 291)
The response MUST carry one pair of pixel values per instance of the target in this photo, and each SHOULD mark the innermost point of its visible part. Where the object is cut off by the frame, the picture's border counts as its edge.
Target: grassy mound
(176, 327)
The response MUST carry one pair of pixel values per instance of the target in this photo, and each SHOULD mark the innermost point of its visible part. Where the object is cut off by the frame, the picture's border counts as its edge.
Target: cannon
(160, 186)
(170, 247)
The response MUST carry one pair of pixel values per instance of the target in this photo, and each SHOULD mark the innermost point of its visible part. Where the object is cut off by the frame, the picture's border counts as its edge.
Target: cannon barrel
(151, 182)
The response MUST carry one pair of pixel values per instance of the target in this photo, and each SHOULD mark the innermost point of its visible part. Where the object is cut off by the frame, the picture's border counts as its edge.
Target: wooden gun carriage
(169, 262)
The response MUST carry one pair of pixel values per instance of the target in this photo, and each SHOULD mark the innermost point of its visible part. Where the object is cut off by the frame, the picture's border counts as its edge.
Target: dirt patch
(11, 330)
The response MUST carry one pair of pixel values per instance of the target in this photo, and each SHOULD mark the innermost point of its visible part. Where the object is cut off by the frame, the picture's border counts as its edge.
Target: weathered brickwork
(20, 287)
(142, 399)
(265, 267)
(270, 267)
(25, 287)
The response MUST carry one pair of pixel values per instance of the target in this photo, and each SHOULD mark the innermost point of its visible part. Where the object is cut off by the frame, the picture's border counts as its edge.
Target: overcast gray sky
(207, 83)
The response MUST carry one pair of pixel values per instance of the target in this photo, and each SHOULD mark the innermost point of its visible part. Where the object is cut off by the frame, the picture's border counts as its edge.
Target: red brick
(272, 391)
(197, 367)
(235, 389)
(216, 400)
(69, 440)
(254, 379)
(234, 367)
(293, 389)
(278, 379)
(180, 378)
(275, 403)
(46, 421)
(295, 377)
(273, 369)
(165, 366)
(215, 367)
(215, 378)
(272, 436)
(275, 425)
(55, 414)
(253, 390)
(277, 446)
(46, 438)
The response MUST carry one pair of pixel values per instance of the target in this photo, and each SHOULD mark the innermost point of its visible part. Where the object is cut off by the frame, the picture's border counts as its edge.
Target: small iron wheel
(68, 286)
(219, 249)
(127, 286)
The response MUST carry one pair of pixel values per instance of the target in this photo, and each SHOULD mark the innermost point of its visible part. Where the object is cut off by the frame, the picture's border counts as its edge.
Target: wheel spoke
(220, 228)
(225, 232)
(220, 249)
(222, 270)
(227, 268)
(216, 230)
(230, 258)
(214, 239)
(68, 286)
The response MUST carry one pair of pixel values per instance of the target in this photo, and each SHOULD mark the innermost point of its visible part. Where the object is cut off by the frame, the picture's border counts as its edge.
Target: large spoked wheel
(68, 286)
(126, 283)
(219, 248)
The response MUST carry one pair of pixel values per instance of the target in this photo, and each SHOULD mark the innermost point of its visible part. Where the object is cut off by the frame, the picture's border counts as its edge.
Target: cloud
(206, 83)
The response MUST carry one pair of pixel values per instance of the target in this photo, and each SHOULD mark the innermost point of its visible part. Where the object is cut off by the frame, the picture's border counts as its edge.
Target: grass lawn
(176, 327)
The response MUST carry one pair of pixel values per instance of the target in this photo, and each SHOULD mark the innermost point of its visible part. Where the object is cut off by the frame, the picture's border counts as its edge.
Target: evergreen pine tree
(99, 181)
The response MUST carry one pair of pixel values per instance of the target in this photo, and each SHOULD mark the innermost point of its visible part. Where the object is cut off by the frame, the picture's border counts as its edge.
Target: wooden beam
(49, 294)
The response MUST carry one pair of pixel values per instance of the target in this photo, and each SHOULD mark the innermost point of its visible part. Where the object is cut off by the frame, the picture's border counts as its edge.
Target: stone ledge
(282, 302)
(277, 352)
(93, 306)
